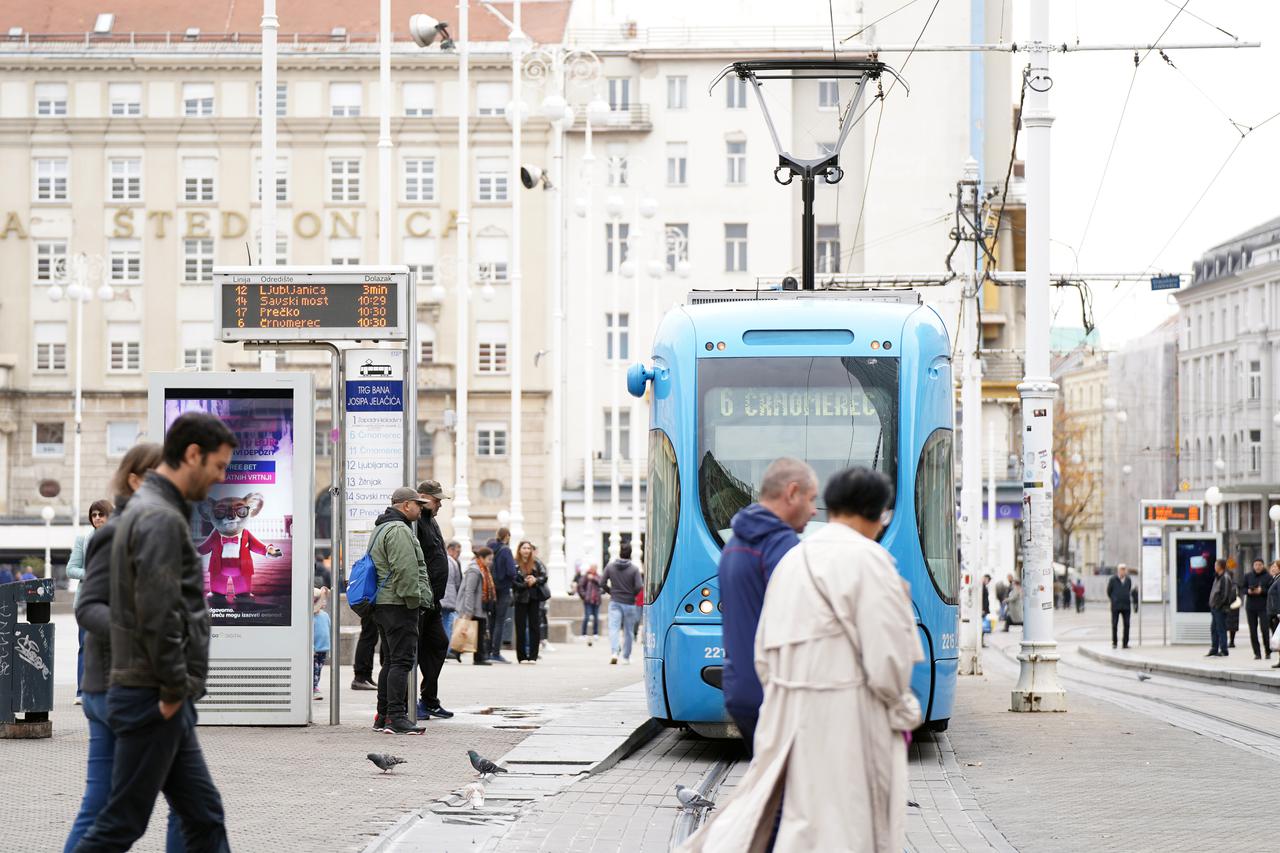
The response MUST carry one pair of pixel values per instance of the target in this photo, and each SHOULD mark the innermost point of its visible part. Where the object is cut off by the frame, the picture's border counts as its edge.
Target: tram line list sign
(311, 303)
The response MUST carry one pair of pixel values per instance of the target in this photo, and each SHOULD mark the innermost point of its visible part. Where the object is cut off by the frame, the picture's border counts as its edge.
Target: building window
(419, 254)
(677, 164)
(420, 179)
(125, 99)
(735, 247)
(344, 179)
(51, 347)
(491, 98)
(121, 435)
(49, 439)
(617, 344)
(51, 260)
(51, 99)
(828, 94)
(491, 347)
(324, 440)
(677, 92)
(624, 433)
(197, 260)
(617, 161)
(426, 442)
(426, 344)
(125, 259)
(491, 490)
(344, 99)
(493, 252)
(125, 174)
(616, 235)
(198, 175)
(282, 99)
(124, 347)
(736, 154)
(282, 178)
(52, 176)
(735, 93)
(828, 260)
(1255, 451)
(419, 99)
(491, 178)
(197, 100)
(677, 242)
(1255, 380)
(344, 251)
(282, 247)
(491, 439)
(619, 94)
(197, 346)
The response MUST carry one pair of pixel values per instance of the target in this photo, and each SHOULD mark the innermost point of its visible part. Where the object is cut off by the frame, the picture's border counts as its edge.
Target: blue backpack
(363, 584)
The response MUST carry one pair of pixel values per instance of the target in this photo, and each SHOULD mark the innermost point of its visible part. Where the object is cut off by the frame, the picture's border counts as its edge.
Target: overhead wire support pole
(968, 228)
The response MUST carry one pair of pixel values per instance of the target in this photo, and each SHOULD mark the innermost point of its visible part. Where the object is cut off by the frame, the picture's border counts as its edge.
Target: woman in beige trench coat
(834, 651)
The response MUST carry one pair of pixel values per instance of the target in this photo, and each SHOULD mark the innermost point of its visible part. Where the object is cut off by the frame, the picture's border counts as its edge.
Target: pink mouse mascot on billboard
(230, 546)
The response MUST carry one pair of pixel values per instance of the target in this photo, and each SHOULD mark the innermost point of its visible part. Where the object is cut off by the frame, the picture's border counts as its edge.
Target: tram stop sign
(1166, 282)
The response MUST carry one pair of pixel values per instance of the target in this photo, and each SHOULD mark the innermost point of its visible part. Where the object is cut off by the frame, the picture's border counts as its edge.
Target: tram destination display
(315, 303)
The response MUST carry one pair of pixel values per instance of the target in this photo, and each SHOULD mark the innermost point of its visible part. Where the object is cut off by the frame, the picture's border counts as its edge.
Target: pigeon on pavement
(1142, 676)
(483, 766)
(384, 761)
(473, 793)
(691, 799)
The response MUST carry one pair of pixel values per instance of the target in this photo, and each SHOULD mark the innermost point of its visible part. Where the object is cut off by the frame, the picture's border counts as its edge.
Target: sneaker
(362, 684)
(379, 723)
(613, 659)
(498, 658)
(316, 697)
(401, 726)
(422, 710)
(626, 661)
(440, 712)
(482, 662)
(77, 702)
(547, 647)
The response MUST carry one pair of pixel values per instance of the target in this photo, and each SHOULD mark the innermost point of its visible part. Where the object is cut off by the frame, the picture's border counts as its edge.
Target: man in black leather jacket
(433, 643)
(160, 647)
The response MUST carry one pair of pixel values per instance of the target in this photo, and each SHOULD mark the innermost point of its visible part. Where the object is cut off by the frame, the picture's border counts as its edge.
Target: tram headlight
(706, 606)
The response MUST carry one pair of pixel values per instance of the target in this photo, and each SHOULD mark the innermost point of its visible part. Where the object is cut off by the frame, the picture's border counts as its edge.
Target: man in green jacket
(402, 589)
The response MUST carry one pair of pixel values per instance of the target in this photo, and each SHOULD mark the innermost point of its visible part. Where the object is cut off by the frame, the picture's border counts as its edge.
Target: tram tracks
(708, 786)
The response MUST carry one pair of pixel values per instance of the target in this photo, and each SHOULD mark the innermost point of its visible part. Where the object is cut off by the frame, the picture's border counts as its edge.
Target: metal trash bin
(26, 659)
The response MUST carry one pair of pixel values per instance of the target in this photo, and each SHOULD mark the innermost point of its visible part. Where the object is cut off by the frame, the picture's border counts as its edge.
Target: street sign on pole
(287, 304)
(1166, 282)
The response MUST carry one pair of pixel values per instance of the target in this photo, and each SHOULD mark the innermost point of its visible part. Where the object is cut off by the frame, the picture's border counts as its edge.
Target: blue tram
(737, 379)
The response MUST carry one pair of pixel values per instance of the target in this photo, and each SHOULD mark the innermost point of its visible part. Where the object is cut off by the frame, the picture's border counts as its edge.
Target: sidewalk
(1190, 662)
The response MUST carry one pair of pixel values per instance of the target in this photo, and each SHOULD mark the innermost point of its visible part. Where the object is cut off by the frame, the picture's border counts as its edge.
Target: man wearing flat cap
(433, 642)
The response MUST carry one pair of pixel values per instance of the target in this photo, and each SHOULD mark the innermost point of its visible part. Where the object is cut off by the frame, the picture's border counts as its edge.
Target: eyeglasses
(228, 512)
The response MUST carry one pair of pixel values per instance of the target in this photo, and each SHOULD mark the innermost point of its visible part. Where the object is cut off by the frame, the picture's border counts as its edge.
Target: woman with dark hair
(528, 591)
(93, 613)
(99, 510)
(477, 591)
(835, 647)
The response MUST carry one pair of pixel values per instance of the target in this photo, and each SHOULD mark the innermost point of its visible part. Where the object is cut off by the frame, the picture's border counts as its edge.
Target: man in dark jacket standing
(160, 647)
(762, 533)
(503, 570)
(1220, 598)
(1257, 584)
(402, 591)
(1120, 592)
(433, 642)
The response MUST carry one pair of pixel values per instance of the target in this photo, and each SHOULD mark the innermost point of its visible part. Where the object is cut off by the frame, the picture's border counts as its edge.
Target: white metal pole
(385, 190)
(1038, 688)
(589, 415)
(970, 454)
(992, 554)
(267, 171)
(634, 347)
(48, 547)
(556, 565)
(615, 399)
(462, 368)
(79, 402)
(516, 356)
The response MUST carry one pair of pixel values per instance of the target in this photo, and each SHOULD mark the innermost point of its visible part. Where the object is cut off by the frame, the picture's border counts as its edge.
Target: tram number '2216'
(714, 653)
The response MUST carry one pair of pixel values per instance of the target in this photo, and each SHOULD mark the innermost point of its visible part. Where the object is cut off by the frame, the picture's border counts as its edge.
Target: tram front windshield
(830, 411)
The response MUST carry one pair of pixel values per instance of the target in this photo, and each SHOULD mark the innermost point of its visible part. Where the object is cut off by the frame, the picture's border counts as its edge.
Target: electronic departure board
(311, 303)
(1183, 513)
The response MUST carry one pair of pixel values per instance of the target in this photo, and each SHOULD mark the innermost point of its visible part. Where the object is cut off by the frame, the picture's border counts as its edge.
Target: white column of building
(267, 171)
(645, 208)
(615, 397)
(1038, 688)
(992, 553)
(516, 356)
(556, 563)
(462, 369)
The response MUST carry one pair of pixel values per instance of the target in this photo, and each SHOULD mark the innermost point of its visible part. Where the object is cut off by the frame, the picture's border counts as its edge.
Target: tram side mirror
(638, 378)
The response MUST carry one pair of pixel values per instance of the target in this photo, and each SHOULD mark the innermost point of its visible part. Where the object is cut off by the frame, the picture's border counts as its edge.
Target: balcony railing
(632, 118)
(1002, 367)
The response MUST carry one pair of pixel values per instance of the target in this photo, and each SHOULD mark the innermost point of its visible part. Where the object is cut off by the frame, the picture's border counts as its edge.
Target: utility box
(26, 659)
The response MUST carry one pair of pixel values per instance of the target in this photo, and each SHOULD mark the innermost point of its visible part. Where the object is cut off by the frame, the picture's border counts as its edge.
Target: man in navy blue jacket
(503, 569)
(762, 533)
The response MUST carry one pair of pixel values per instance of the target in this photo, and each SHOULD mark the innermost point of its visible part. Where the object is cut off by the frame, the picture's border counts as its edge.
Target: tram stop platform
(1187, 661)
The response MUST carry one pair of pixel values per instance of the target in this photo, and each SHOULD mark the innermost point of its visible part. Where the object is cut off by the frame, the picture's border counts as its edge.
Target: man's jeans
(1218, 631)
(498, 625)
(623, 619)
(591, 613)
(448, 617)
(398, 630)
(154, 755)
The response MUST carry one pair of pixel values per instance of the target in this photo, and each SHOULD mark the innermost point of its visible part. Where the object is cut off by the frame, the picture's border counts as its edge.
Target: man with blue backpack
(401, 589)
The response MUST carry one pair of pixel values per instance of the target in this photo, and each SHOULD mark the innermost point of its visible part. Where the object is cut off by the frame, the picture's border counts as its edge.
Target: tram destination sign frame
(1171, 513)
(312, 303)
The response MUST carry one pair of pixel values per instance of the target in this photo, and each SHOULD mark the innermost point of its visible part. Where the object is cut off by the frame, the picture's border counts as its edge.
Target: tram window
(663, 514)
(830, 411)
(936, 514)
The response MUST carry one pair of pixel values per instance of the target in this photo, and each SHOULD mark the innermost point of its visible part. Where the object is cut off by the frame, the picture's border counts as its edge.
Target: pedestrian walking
(1067, 586)
(1257, 584)
(1013, 604)
(160, 647)
(403, 589)
(587, 587)
(320, 631)
(449, 604)
(528, 593)
(472, 602)
(1078, 590)
(835, 650)
(433, 640)
(99, 511)
(1002, 595)
(1273, 606)
(321, 573)
(622, 583)
(1120, 594)
(1220, 598)
(502, 568)
(762, 533)
(1236, 574)
(93, 617)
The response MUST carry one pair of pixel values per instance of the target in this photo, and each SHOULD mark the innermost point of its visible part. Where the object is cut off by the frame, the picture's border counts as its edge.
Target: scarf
(488, 591)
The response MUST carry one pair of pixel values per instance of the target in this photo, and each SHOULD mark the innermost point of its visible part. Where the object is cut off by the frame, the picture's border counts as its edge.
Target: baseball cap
(404, 493)
(433, 488)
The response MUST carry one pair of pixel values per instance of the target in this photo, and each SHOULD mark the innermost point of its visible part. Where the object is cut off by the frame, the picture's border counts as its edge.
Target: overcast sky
(1172, 141)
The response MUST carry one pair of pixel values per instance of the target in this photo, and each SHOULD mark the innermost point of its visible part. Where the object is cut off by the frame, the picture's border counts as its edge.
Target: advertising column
(374, 432)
